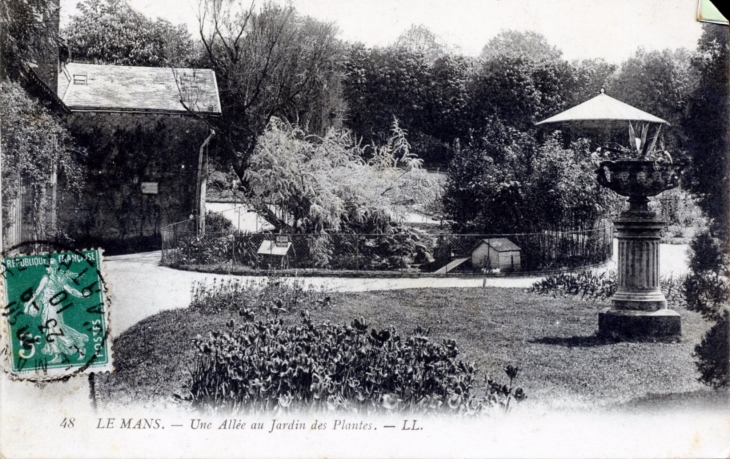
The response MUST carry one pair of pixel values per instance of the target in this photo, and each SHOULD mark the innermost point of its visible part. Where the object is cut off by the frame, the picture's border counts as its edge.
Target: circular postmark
(55, 312)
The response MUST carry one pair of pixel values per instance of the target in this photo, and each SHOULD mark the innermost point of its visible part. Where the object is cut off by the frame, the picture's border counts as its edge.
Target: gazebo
(639, 308)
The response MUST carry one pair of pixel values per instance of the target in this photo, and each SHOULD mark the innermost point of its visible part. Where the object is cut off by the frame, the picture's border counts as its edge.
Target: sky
(582, 29)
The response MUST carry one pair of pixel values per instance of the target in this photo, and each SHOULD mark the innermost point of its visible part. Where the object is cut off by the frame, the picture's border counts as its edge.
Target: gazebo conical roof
(603, 108)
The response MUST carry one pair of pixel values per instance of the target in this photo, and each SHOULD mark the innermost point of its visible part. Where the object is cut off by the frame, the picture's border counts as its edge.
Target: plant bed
(551, 339)
(238, 270)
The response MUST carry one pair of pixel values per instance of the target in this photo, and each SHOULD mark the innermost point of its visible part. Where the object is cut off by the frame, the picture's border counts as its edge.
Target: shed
(276, 252)
(496, 253)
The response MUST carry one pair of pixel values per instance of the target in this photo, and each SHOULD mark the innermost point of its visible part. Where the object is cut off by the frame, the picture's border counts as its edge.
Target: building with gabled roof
(96, 88)
(496, 253)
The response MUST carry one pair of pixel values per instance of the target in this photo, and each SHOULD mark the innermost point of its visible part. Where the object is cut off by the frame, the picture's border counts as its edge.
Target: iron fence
(406, 251)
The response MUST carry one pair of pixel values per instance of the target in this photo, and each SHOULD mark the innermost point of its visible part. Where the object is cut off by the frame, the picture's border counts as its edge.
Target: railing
(404, 252)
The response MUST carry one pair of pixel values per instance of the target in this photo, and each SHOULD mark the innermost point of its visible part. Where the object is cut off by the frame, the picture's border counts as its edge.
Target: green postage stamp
(56, 315)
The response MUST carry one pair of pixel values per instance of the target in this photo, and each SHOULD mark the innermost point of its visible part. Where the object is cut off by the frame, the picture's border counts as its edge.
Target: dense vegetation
(263, 364)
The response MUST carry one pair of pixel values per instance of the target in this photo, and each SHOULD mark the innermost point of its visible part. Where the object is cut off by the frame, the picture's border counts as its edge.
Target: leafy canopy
(323, 184)
(112, 32)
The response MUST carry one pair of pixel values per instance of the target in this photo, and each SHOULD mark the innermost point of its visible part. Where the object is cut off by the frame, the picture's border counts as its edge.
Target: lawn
(550, 339)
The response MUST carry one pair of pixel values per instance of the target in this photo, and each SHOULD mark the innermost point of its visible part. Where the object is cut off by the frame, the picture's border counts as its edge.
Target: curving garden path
(141, 287)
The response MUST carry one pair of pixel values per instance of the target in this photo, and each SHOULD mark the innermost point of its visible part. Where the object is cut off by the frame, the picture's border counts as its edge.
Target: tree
(508, 182)
(660, 83)
(27, 37)
(706, 127)
(269, 62)
(527, 45)
(591, 75)
(323, 184)
(112, 32)
(519, 90)
(382, 83)
(420, 40)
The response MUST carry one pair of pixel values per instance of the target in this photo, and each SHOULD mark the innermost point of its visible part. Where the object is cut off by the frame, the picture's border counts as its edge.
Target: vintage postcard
(364, 228)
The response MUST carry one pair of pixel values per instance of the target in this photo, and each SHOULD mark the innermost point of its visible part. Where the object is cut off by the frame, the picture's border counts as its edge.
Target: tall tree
(112, 32)
(527, 45)
(706, 126)
(421, 40)
(519, 90)
(269, 62)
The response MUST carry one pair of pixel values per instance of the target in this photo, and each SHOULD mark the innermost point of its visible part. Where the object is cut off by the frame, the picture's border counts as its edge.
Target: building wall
(122, 152)
(485, 257)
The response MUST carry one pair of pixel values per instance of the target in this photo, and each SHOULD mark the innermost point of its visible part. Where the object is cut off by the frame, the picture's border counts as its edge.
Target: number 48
(67, 423)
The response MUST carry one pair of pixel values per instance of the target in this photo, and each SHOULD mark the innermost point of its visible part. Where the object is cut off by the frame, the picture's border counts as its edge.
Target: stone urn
(639, 308)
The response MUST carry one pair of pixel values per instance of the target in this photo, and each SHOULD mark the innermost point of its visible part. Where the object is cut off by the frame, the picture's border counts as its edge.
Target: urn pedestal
(638, 308)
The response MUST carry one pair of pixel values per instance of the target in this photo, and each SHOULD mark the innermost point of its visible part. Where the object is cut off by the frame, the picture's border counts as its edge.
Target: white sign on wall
(150, 188)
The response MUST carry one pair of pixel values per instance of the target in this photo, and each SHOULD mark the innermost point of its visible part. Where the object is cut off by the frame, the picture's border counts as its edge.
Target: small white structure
(496, 253)
(276, 252)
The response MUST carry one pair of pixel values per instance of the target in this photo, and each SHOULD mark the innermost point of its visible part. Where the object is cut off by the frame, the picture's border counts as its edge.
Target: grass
(551, 339)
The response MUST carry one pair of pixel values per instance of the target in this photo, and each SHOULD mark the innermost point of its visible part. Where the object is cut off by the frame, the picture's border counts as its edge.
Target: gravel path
(141, 287)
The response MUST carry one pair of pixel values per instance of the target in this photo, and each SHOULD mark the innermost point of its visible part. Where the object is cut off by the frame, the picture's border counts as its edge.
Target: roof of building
(500, 244)
(120, 88)
(603, 108)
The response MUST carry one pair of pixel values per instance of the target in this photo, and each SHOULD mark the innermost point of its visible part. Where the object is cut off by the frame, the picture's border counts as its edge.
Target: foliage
(707, 254)
(683, 216)
(508, 182)
(418, 39)
(28, 37)
(33, 140)
(264, 365)
(383, 83)
(218, 223)
(660, 83)
(528, 45)
(597, 287)
(210, 249)
(269, 62)
(713, 355)
(112, 32)
(706, 290)
(591, 75)
(519, 91)
(248, 297)
(706, 126)
(324, 184)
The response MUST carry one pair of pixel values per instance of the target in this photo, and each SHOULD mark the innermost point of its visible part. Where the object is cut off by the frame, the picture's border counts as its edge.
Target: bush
(217, 223)
(706, 291)
(597, 286)
(272, 295)
(211, 249)
(264, 365)
(713, 355)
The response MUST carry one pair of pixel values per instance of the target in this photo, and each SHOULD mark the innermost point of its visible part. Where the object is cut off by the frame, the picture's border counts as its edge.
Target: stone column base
(661, 325)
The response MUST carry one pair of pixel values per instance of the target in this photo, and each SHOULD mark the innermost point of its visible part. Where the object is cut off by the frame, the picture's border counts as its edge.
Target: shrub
(585, 283)
(217, 223)
(272, 295)
(211, 249)
(713, 355)
(706, 291)
(597, 286)
(264, 365)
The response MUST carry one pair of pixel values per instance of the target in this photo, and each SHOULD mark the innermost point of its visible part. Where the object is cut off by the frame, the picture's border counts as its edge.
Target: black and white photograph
(364, 228)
